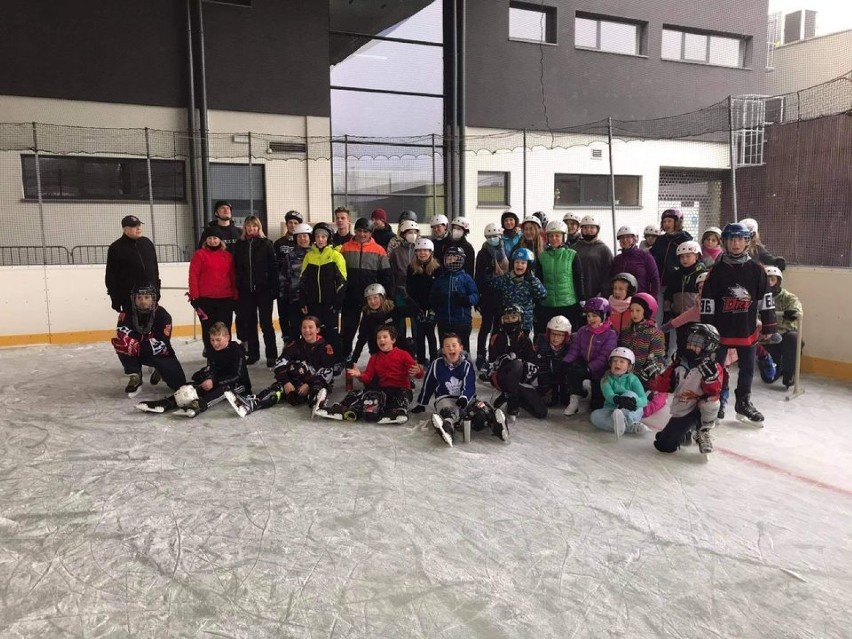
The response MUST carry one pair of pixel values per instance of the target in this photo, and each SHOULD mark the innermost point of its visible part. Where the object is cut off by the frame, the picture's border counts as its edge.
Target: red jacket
(391, 369)
(212, 274)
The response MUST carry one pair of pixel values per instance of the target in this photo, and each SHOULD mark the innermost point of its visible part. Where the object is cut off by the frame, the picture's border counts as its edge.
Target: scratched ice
(118, 523)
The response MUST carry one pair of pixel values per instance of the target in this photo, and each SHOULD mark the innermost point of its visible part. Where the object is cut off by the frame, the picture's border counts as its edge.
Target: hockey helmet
(185, 395)
(559, 323)
(424, 244)
(493, 230)
(363, 224)
(507, 214)
(735, 229)
(407, 225)
(375, 289)
(571, 217)
(293, 215)
(626, 230)
(555, 226)
(143, 302)
(541, 217)
(597, 305)
(775, 271)
(632, 284)
(454, 258)
(691, 246)
(705, 337)
(712, 230)
(647, 302)
(512, 317)
(532, 219)
(702, 277)
(407, 215)
(624, 353)
(750, 223)
(323, 227)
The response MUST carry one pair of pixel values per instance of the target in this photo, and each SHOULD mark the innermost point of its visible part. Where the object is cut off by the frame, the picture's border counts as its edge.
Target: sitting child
(452, 380)
(550, 349)
(226, 370)
(624, 396)
(304, 374)
(513, 367)
(780, 359)
(378, 311)
(587, 355)
(648, 345)
(387, 384)
(624, 287)
(143, 338)
(696, 383)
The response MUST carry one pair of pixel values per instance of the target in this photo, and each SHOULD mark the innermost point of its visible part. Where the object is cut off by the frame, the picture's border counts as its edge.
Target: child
(387, 384)
(513, 367)
(696, 383)
(651, 233)
(143, 337)
(453, 293)
(562, 276)
(587, 354)
(733, 295)
(377, 312)
(400, 254)
(624, 396)
(788, 310)
(452, 380)
(682, 287)
(422, 273)
(521, 287)
(638, 263)
(291, 263)
(646, 342)
(491, 263)
(624, 286)
(303, 374)
(711, 246)
(226, 370)
(322, 283)
(550, 349)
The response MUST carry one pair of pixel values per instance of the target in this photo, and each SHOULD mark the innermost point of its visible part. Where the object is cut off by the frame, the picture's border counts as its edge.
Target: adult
(531, 237)
(400, 257)
(561, 271)
(343, 222)
(290, 265)
(635, 261)
(257, 285)
(212, 284)
(664, 249)
(398, 239)
(595, 257)
(491, 263)
(511, 235)
(459, 230)
(230, 233)
(572, 221)
(323, 284)
(366, 263)
(382, 233)
(131, 262)
(440, 227)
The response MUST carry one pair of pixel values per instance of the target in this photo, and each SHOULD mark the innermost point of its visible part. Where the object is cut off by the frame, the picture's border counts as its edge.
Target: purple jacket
(593, 346)
(641, 265)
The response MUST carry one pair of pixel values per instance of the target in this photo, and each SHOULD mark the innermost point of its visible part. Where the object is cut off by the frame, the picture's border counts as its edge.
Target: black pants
(424, 337)
(527, 398)
(555, 383)
(745, 361)
(169, 368)
(785, 355)
(490, 322)
(257, 306)
(574, 378)
(462, 330)
(573, 314)
(668, 440)
(290, 319)
(350, 319)
(329, 319)
(216, 310)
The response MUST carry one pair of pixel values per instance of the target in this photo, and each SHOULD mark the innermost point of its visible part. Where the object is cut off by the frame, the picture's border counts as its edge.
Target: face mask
(458, 234)
(411, 237)
(493, 241)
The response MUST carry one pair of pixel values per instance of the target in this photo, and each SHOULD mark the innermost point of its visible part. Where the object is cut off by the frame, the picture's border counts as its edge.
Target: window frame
(641, 40)
(591, 204)
(742, 55)
(507, 186)
(129, 168)
(549, 12)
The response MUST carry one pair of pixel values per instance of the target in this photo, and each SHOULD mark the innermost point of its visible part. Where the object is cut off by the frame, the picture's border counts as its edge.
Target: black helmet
(454, 258)
(323, 226)
(407, 214)
(293, 215)
(513, 325)
(363, 224)
(509, 214)
(142, 316)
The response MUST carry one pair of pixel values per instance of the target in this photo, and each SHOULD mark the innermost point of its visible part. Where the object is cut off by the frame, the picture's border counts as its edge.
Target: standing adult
(595, 257)
(343, 222)
(257, 285)
(230, 233)
(440, 226)
(664, 249)
(531, 237)
(561, 273)
(635, 261)
(131, 262)
(382, 233)
(399, 239)
(572, 221)
(400, 257)
(292, 219)
(212, 284)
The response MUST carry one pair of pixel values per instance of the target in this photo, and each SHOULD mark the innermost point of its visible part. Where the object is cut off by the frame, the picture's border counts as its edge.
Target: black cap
(131, 220)
(363, 224)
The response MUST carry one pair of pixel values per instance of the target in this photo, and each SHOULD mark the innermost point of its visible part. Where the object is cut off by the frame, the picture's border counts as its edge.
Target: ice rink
(117, 523)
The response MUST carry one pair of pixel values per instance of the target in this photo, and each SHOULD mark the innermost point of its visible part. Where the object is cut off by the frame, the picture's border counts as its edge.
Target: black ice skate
(395, 416)
(242, 405)
(159, 406)
(500, 428)
(705, 444)
(156, 378)
(334, 412)
(747, 413)
(193, 410)
(445, 429)
(319, 401)
(134, 383)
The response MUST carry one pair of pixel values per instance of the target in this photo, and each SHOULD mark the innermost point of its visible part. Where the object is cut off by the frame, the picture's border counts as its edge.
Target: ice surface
(118, 523)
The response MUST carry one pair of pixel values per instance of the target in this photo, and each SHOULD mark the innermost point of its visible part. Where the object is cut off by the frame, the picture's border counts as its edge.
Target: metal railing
(80, 254)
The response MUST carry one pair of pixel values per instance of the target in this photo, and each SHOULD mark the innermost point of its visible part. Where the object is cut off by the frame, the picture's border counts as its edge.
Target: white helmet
(462, 222)
(493, 230)
(688, 247)
(713, 229)
(590, 220)
(652, 229)
(407, 225)
(424, 244)
(571, 217)
(559, 322)
(555, 226)
(533, 219)
(626, 230)
(302, 228)
(185, 395)
(702, 276)
(750, 223)
(375, 289)
(623, 352)
(439, 219)
(774, 270)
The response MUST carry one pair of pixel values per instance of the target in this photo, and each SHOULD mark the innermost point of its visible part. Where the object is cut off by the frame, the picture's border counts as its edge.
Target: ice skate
(747, 413)
(500, 428)
(156, 378)
(705, 444)
(193, 410)
(721, 414)
(619, 423)
(573, 406)
(444, 428)
(319, 401)
(242, 405)
(134, 383)
(335, 412)
(159, 406)
(397, 416)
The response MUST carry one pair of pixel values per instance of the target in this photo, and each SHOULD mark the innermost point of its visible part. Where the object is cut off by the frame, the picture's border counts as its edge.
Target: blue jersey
(448, 380)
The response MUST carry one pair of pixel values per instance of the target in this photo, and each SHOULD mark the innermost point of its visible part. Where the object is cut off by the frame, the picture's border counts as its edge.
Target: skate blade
(232, 400)
(149, 409)
(745, 420)
(326, 415)
(392, 420)
(705, 457)
(448, 439)
(189, 413)
(133, 394)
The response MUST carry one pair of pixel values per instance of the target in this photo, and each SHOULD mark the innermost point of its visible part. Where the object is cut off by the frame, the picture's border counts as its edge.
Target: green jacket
(787, 301)
(557, 273)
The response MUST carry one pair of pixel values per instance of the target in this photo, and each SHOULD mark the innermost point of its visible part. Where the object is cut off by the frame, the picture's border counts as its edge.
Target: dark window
(705, 48)
(492, 188)
(603, 33)
(593, 190)
(88, 178)
(532, 22)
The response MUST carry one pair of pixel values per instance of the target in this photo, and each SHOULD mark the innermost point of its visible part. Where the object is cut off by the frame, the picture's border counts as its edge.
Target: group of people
(562, 319)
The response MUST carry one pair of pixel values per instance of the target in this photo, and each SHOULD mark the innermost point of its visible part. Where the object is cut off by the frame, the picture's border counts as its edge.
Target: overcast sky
(832, 15)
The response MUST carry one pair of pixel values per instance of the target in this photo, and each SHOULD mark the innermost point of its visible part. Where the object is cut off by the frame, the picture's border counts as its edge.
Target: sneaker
(134, 382)
(444, 428)
(156, 378)
(573, 406)
(619, 423)
(319, 402)
(500, 428)
(702, 438)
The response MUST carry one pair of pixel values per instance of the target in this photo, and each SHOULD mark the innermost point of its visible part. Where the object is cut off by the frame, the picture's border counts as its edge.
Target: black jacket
(130, 263)
(226, 368)
(257, 270)
(383, 236)
(231, 233)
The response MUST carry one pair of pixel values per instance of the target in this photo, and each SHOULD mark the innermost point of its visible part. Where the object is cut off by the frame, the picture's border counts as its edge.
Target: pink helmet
(646, 301)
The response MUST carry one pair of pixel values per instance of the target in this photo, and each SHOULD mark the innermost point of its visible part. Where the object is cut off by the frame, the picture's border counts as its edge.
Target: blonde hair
(252, 219)
(417, 267)
(754, 244)
(387, 306)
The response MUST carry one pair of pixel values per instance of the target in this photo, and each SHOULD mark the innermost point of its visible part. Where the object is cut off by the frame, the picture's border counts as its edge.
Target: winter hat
(379, 214)
(216, 231)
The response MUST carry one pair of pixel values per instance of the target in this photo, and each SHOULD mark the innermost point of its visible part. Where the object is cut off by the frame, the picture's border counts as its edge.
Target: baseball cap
(130, 220)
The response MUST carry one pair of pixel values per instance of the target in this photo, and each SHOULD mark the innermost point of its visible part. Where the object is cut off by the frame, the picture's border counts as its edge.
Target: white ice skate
(444, 428)
(319, 402)
(241, 407)
(332, 413)
(394, 419)
(500, 418)
(638, 429)
(159, 406)
(619, 423)
(573, 406)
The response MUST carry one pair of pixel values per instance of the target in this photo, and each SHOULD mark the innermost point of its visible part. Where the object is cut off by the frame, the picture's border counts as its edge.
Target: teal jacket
(622, 385)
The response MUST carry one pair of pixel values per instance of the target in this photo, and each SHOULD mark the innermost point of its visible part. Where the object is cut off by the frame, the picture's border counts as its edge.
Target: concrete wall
(803, 64)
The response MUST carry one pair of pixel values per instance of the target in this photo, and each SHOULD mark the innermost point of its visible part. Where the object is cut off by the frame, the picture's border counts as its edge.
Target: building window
(93, 178)
(532, 22)
(704, 48)
(492, 188)
(593, 190)
(606, 34)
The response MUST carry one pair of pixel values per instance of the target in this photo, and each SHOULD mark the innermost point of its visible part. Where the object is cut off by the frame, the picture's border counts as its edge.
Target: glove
(773, 338)
(461, 402)
(116, 304)
(625, 401)
(461, 299)
(126, 345)
(790, 315)
(709, 371)
(651, 369)
(420, 408)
